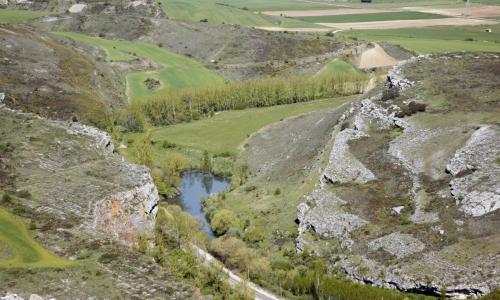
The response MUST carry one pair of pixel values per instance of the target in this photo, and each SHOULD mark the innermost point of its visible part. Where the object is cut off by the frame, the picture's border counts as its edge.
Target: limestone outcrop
(70, 169)
(476, 171)
(417, 210)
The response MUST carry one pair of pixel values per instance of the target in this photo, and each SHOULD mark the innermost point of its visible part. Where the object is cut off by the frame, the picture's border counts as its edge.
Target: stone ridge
(71, 168)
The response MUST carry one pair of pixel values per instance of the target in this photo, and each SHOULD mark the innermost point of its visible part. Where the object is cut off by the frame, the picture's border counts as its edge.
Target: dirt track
(410, 23)
(325, 12)
(376, 57)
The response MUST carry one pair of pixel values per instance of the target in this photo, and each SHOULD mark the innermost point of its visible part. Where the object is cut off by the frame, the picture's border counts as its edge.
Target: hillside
(249, 149)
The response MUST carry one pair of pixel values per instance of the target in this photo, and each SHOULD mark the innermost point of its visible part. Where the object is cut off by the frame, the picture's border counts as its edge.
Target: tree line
(175, 106)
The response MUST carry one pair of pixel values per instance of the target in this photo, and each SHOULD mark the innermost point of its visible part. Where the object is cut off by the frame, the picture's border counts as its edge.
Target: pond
(194, 187)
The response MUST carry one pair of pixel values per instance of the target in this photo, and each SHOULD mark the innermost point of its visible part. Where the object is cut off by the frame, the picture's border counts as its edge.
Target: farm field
(372, 17)
(397, 24)
(263, 5)
(233, 12)
(337, 66)
(435, 39)
(176, 72)
(226, 130)
(13, 16)
(18, 249)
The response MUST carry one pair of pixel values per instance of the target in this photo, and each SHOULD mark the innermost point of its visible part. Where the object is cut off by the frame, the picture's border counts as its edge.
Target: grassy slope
(385, 16)
(226, 130)
(232, 12)
(13, 16)
(177, 71)
(196, 10)
(435, 39)
(19, 249)
(337, 66)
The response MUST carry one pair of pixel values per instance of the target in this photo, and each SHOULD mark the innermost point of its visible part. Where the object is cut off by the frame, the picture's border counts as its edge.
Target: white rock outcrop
(476, 171)
(77, 8)
(343, 167)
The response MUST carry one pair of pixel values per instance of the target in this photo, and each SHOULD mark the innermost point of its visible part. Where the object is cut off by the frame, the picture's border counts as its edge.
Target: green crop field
(177, 71)
(337, 66)
(373, 17)
(19, 249)
(267, 5)
(14, 16)
(413, 3)
(435, 39)
(236, 11)
(196, 10)
(226, 130)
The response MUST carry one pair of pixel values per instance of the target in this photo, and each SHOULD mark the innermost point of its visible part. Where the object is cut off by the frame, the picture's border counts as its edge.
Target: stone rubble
(397, 244)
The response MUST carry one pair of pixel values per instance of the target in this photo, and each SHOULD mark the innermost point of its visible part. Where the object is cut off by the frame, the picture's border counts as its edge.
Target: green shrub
(107, 258)
(6, 198)
(250, 188)
(277, 191)
(253, 234)
(168, 145)
(223, 220)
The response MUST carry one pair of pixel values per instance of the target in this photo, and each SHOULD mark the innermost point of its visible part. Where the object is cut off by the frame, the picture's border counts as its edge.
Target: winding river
(194, 187)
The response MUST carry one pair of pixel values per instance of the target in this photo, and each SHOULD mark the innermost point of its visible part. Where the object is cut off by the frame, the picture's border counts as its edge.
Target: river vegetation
(175, 234)
(176, 106)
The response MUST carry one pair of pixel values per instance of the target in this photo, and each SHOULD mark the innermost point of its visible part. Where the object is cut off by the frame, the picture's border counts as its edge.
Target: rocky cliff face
(69, 168)
(410, 196)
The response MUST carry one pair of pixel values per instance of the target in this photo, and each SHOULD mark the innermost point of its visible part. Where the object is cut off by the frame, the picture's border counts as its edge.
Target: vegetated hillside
(66, 203)
(173, 71)
(410, 193)
(234, 51)
(41, 75)
(401, 192)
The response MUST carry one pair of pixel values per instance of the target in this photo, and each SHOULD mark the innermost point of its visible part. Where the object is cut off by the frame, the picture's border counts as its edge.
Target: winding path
(260, 293)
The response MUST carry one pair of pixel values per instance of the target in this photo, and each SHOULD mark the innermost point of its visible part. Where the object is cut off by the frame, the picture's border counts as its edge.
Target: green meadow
(435, 39)
(176, 71)
(14, 16)
(372, 17)
(18, 249)
(337, 66)
(225, 131)
(237, 11)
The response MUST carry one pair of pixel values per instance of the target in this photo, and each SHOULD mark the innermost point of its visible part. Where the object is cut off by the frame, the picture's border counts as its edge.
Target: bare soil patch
(325, 12)
(376, 57)
(410, 23)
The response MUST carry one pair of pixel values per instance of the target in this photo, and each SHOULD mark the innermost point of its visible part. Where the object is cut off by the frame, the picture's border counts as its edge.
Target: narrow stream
(194, 187)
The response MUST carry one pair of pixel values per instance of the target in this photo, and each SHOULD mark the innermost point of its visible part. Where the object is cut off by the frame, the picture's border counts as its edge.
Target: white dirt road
(376, 57)
(234, 280)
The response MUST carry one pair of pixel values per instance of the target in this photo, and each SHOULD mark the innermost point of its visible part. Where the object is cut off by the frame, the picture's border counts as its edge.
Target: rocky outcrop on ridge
(70, 168)
(438, 233)
(476, 171)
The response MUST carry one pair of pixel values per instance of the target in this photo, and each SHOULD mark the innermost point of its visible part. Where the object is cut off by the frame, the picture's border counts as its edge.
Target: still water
(194, 187)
